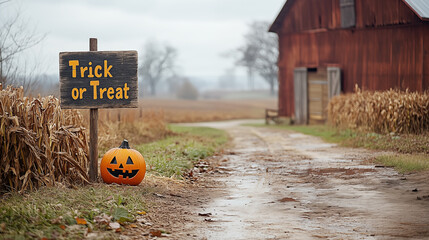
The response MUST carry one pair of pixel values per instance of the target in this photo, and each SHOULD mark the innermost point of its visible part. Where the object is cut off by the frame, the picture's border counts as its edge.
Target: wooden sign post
(93, 130)
(98, 79)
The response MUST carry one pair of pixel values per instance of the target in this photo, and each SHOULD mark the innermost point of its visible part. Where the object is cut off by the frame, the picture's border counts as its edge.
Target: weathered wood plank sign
(98, 79)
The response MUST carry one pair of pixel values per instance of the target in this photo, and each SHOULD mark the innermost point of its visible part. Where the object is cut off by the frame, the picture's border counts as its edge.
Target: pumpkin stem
(124, 144)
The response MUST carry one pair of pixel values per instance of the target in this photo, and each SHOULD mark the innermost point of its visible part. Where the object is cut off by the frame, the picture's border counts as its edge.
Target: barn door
(317, 95)
(334, 81)
(300, 93)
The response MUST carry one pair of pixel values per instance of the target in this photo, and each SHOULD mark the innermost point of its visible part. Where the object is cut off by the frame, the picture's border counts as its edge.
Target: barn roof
(419, 7)
(279, 19)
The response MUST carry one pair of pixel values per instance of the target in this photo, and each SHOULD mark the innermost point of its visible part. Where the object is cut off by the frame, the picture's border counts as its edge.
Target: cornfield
(40, 143)
(391, 111)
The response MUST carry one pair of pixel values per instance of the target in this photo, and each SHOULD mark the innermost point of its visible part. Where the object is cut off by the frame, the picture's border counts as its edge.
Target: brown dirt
(274, 184)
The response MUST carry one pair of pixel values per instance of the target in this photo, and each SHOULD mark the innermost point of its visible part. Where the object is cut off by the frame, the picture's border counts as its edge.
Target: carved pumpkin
(123, 165)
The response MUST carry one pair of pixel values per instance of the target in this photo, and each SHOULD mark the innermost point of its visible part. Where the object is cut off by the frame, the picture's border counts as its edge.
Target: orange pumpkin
(123, 165)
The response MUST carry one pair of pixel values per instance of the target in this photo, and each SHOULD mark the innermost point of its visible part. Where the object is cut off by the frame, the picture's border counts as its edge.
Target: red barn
(329, 46)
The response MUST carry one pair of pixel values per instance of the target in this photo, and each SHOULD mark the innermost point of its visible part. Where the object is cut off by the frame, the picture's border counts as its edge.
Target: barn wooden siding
(388, 48)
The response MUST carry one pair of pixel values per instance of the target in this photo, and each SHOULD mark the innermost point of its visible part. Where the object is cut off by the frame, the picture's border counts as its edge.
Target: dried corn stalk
(40, 143)
(382, 112)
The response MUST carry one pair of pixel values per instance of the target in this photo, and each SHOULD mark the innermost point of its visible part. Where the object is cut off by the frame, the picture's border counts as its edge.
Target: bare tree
(16, 37)
(157, 62)
(247, 58)
(260, 53)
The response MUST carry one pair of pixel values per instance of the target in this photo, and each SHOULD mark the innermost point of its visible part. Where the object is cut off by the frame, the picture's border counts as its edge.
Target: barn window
(348, 17)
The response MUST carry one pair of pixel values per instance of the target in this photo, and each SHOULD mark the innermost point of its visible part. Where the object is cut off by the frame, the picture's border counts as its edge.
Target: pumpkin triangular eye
(113, 161)
(129, 161)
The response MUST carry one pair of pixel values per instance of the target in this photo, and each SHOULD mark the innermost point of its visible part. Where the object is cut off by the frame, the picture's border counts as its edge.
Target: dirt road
(276, 184)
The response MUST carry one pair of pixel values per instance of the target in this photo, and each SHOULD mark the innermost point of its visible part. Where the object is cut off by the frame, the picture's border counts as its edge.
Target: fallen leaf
(114, 225)
(121, 215)
(141, 212)
(81, 221)
(118, 230)
(204, 214)
(103, 219)
(159, 195)
(93, 236)
(156, 233)
(174, 195)
(133, 225)
(2, 226)
(287, 199)
(63, 227)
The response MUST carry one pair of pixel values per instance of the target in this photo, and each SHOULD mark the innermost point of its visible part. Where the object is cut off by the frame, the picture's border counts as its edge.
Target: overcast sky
(201, 30)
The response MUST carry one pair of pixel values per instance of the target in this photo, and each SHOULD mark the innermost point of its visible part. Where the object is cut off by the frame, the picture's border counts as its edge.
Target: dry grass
(390, 111)
(40, 143)
(178, 111)
(150, 127)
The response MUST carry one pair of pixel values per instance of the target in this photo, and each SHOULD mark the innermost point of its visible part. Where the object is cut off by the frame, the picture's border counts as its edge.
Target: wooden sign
(98, 79)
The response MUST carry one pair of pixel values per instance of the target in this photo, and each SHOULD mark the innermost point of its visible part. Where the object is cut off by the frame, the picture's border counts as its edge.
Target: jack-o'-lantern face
(120, 170)
(123, 166)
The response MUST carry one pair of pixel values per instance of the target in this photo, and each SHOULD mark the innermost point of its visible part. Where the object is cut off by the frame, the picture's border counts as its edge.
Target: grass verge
(174, 155)
(404, 163)
(412, 149)
(66, 213)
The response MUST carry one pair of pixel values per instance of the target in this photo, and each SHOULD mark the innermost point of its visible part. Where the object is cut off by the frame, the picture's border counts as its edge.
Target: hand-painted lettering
(91, 71)
(107, 69)
(94, 84)
(73, 64)
(98, 92)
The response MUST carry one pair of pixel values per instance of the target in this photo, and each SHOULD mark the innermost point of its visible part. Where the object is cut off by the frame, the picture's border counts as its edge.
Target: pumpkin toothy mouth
(124, 173)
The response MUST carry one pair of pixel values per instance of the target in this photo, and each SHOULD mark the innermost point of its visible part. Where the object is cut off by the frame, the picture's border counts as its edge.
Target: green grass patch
(405, 162)
(51, 212)
(55, 212)
(173, 156)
